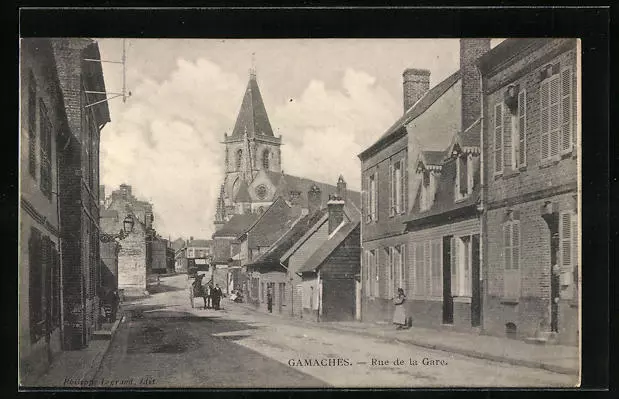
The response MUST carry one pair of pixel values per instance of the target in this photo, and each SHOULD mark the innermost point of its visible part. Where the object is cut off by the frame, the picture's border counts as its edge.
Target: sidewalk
(557, 358)
(75, 369)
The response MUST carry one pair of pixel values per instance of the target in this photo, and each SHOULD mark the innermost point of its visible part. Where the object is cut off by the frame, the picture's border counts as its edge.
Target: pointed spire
(252, 70)
(252, 115)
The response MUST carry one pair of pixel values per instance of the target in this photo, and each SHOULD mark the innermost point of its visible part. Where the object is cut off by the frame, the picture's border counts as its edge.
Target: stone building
(531, 127)
(254, 177)
(135, 254)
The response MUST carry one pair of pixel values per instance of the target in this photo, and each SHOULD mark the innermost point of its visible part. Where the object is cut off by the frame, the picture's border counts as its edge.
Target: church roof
(252, 117)
(303, 185)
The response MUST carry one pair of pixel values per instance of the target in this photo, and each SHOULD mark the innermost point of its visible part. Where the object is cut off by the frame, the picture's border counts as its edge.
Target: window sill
(509, 301)
(462, 299)
(549, 162)
(512, 173)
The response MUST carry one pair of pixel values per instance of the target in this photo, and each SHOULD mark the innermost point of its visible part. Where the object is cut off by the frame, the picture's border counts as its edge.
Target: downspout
(482, 206)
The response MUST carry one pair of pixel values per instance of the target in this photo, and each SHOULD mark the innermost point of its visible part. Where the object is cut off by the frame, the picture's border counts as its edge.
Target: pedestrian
(399, 314)
(209, 294)
(269, 300)
(216, 296)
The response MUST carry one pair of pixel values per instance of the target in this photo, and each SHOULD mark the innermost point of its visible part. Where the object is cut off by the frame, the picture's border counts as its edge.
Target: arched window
(265, 159)
(239, 159)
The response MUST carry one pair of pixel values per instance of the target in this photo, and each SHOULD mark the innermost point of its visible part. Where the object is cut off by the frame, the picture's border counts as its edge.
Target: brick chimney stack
(416, 82)
(470, 51)
(341, 188)
(335, 207)
(314, 199)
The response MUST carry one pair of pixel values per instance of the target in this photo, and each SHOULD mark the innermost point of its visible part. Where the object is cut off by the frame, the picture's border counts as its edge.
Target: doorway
(448, 306)
(282, 297)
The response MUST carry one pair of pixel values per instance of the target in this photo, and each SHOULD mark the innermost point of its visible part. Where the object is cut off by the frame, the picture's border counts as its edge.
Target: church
(254, 177)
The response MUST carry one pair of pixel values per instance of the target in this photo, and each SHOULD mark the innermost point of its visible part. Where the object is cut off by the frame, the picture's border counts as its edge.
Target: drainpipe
(482, 205)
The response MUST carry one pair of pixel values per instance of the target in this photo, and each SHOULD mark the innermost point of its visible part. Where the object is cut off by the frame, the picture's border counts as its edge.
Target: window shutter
(515, 245)
(403, 187)
(544, 120)
(454, 267)
(554, 116)
(508, 138)
(427, 268)
(463, 173)
(507, 240)
(391, 190)
(498, 137)
(522, 128)
(574, 239)
(565, 231)
(566, 109)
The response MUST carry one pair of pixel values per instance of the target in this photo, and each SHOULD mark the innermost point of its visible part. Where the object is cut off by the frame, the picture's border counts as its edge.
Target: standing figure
(269, 300)
(399, 315)
(216, 294)
(209, 294)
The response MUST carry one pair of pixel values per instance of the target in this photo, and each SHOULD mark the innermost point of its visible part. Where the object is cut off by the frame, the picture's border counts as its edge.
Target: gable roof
(276, 219)
(236, 226)
(276, 252)
(252, 117)
(417, 109)
(322, 253)
(303, 185)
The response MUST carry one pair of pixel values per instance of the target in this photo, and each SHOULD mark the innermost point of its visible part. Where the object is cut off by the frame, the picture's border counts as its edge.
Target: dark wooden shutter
(544, 120)
(522, 128)
(498, 137)
(554, 107)
(32, 125)
(566, 109)
(463, 173)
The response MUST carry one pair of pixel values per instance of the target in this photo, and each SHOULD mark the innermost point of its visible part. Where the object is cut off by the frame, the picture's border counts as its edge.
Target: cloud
(165, 141)
(324, 130)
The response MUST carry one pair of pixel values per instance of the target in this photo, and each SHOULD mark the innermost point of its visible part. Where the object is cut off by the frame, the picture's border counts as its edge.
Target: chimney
(125, 190)
(416, 82)
(314, 199)
(341, 188)
(101, 194)
(470, 51)
(336, 211)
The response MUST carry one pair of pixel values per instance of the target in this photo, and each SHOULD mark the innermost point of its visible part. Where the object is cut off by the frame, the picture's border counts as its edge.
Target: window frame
(372, 215)
(566, 120)
(458, 195)
(266, 163)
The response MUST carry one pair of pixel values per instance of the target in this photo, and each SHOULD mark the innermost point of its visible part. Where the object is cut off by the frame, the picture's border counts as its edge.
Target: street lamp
(128, 224)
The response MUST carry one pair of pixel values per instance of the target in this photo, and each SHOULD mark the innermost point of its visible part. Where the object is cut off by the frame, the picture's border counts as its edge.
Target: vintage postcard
(299, 213)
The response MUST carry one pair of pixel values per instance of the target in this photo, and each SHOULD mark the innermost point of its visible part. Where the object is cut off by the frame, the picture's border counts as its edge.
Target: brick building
(531, 126)
(87, 114)
(43, 130)
(421, 180)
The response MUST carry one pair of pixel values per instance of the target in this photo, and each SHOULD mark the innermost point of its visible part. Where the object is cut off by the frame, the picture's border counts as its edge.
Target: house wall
(109, 264)
(158, 255)
(299, 257)
(386, 225)
(525, 191)
(427, 310)
(38, 211)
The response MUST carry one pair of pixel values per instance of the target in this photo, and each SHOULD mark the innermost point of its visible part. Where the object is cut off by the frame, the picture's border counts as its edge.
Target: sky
(329, 99)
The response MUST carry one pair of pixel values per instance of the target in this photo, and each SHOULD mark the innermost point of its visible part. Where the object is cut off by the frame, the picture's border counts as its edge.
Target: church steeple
(252, 116)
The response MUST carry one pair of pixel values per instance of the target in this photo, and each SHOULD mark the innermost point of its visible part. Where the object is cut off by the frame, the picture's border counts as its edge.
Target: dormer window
(464, 177)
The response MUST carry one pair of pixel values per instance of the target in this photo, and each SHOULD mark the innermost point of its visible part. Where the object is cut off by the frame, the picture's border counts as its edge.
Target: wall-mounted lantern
(128, 224)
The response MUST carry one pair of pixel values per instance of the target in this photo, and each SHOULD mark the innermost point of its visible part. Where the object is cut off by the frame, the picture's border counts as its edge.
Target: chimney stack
(314, 199)
(336, 211)
(470, 51)
(341, 188)
(416, 82)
